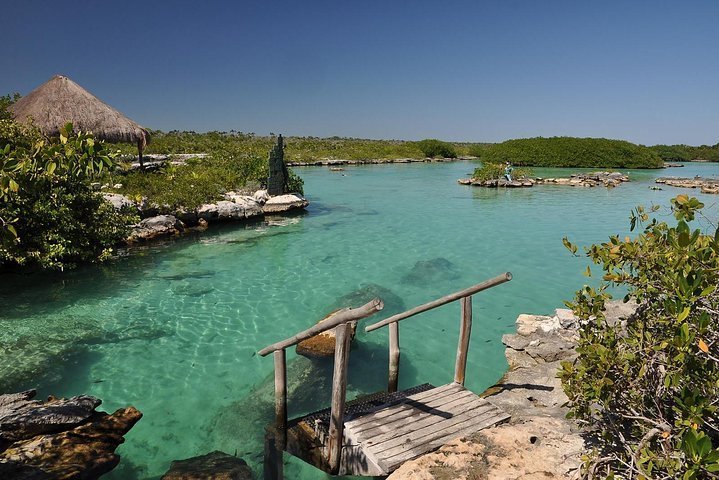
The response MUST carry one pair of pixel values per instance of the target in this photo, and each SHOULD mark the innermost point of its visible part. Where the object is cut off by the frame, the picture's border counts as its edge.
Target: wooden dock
(380, 438)
(373, 435)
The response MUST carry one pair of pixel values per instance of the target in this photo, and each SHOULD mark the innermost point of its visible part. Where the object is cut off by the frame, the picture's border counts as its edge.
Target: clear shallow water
(173, 329)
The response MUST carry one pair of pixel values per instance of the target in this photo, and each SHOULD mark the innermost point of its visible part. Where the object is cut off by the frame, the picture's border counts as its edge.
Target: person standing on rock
(508, 172)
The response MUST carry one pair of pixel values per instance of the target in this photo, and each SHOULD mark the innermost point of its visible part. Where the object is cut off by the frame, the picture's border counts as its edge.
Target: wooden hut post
(339, 389)
(465, 330)
(393, 357)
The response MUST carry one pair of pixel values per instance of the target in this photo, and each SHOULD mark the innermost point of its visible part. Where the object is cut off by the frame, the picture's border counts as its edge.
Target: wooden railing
(341, 321)
(465, 330)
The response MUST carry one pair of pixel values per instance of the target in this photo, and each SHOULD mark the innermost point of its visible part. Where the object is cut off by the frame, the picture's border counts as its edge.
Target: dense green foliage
(234, 164)
(5, 102)
(493, 171)
(650, 387)
(435, 148)
(686, 153)
(297, 149)
(50, 215)
(572, 152)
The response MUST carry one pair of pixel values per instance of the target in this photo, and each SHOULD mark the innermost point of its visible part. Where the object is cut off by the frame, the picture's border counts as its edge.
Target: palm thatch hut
(60, 100)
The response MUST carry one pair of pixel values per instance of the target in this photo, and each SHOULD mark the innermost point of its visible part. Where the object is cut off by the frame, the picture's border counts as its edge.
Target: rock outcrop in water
(706, 185)
(60, 438)
(539, 441)
(594, 179)
(213, 466)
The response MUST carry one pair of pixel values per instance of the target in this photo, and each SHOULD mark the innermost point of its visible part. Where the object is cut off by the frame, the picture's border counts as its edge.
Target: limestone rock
(61, 438)
(706, 185)
(261, 196)
(238, 208)
(284, 203)
(24, 419)
(120, 201)
(161, 225)
(213, 466)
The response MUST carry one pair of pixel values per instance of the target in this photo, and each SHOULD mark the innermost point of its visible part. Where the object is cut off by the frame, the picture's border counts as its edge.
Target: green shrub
(572, 152)
(50, 215)
(650, 388)
(494, 171)
(435, 148)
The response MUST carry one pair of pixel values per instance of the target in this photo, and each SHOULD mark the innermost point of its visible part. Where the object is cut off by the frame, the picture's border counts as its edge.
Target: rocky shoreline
(706, 185)
(539, 441)
(234, 207)
(373, 161)
(59, 438)
(594, 179)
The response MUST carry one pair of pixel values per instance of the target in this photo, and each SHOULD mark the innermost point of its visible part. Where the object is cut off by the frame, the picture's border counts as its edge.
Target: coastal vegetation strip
(572, 152)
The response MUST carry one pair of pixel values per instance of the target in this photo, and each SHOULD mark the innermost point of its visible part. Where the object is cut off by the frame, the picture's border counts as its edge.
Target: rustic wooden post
(339, 389)
(393, 357)
(465, 330)
(281, 393)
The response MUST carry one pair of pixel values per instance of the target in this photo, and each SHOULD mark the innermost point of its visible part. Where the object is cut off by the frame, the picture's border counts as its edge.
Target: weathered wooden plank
(397, 428)
(403, 416)
(418, 397)
(337, 318)
(426, 400)
(433, 432)
(492, 282)
(424, 433)
(391, 463)
(394, 354)
(465, 331)
(343, 335)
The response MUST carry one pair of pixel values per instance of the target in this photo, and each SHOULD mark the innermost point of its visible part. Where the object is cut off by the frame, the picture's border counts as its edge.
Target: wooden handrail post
(339, 390)
(465, 330)
(281, 392)
(393, 357)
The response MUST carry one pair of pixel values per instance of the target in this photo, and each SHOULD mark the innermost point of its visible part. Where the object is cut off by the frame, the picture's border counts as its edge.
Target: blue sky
(645, 71)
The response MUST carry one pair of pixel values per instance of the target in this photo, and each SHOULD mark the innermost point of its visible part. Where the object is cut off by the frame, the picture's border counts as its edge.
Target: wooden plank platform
(385, 430)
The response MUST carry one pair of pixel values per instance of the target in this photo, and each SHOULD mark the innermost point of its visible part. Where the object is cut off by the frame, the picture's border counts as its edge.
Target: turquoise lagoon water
(173, 329)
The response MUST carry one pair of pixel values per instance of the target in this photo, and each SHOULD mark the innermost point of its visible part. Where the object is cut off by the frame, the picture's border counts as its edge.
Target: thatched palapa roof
(60, 100)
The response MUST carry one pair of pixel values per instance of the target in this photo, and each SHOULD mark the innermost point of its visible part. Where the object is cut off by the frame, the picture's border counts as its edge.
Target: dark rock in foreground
(60, 438)
(213, 466)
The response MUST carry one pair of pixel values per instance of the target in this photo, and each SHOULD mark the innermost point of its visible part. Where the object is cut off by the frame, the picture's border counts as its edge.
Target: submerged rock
(323, 344)
(368, 291)
(61, 438)
(213, 466)
(431, 272)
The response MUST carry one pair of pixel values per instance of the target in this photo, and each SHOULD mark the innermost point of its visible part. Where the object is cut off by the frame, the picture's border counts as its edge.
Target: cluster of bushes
(649, 388)
(299, 149)
(572, 152)
(51, 217)
(493, 171)
(686, 153)
(435, 148)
